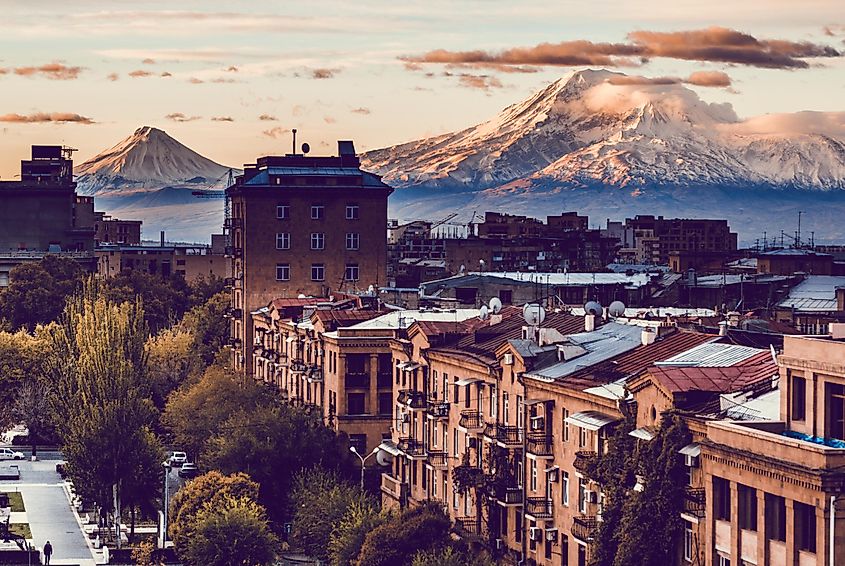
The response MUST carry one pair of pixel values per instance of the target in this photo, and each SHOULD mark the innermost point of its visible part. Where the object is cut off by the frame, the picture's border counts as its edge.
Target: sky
(230, 79)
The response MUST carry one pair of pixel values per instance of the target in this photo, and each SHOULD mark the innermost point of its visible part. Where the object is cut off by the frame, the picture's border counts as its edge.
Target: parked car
(178, 458)
(188, 470)
(9, 454)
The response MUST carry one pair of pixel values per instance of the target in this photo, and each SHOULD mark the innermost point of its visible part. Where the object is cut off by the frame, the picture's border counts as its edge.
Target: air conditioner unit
(552, 475)
(538, 423)
(535, 533)
(591, 496)
(508, 359)
(500, 544)
(691, 461)
(551, 535)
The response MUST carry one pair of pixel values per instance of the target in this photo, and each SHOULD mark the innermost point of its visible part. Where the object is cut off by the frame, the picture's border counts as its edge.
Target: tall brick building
(303, 225)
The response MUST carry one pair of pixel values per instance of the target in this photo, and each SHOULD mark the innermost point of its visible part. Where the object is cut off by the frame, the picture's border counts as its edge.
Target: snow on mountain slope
(605, 128)
(149, 159)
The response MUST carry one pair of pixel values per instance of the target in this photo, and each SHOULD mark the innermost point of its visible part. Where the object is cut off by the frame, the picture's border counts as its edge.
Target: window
(318, 240)
(493, 399)
(282, 211)
(505, 407)
(565, 425)
(283, 241)
(385, 403)
(359, 441)
(282, 272)
(724, 561)
(688, 543)
(351, 273)
(353, 240)
(355, 404)
(317, 211)
(564, 488)
(835, 409)
(799, 398)
(318, 272)
(582, 437)
(805, 527)
(747, 507)
(455, 442)
(445, 388)
(352, 212)
(722, 493)
(564, 550)
(533, 475)
(520, 413)
(517, 531)
(776, 517)
(582, 495)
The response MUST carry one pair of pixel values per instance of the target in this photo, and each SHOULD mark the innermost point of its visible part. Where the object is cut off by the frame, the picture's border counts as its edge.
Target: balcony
(438, 409)
(509, 495)
(540, 445)
(467, 527)
(504, 435)
(412, 448)
(438, 459)
(473, 421)
(412, 399)
(297, 366)
(694, 500)
(358, 379)
(314, 374)
(584, 461)
(539, 507)
(584, 527)
(395, 488)
(235, 342)
(233, 223)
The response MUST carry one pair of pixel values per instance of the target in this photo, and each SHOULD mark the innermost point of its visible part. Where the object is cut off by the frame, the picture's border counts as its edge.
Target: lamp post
(363, 461)
(167, 467)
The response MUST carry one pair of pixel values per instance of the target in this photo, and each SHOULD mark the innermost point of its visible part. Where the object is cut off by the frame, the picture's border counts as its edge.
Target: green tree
(99, 364)
(398, 540)
(21, 356)
(171, 362)
(231, 532)
(208, 326)
(207, 489)
(37, 291)
(451, 556)
(165, 299)
(204, 288)
(320, 502)
(347, 538)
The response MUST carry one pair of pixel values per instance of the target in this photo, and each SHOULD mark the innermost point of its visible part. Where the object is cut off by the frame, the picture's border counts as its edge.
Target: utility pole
(798, 236)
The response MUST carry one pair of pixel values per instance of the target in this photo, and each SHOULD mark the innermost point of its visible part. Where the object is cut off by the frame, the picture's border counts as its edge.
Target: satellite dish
(495, 305)
(371, 290)
(593, 308)
(534, 314)
(617, 308)
(463, 268)
(484, 313)
(301, 296)
(306, 148)
(384, 458)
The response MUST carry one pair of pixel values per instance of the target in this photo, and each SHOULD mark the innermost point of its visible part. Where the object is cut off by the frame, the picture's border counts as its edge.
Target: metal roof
(573, 279)
(591, 420)
(644, 433)
(712, 354)
(405, 318)
(816, 293)
(693, 449)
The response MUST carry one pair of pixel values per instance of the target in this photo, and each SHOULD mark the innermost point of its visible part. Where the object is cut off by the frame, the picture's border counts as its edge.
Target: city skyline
(231, 82)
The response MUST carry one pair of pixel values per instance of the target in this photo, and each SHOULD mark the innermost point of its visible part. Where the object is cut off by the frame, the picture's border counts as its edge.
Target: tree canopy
(37, 291)
(397, 541)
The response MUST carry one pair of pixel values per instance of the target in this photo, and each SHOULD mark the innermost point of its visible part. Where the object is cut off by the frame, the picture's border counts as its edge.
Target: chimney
(589, 322)
(648, 335)
(162, 238)
(840, 299)
(723, 328)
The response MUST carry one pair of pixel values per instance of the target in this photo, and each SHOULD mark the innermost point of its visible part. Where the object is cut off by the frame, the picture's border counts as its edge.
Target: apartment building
(192, 262)
(110, 230)
(303, 225)
(655, 238)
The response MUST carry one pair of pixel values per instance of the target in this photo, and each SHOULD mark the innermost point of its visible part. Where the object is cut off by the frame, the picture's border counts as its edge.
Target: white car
(178, 458)
(9, 454)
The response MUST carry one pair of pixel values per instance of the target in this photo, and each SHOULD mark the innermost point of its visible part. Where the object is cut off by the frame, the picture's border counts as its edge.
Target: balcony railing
(438, 409)
(412, 399)
(438, 458)
(584, 460)
(395, 488)
(540, 444)
(539, 507)
(297, 366)
(314, 374)
(509, 495)
(357, 379)
(473, 421)
(694, 500)
(467, 526)
(412, 447)
(584, 527)
(504, 434)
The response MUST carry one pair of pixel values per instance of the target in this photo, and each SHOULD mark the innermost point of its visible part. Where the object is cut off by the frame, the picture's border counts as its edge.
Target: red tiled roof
(755, 369)
(284, 303)
(333, 319)
(637, 360)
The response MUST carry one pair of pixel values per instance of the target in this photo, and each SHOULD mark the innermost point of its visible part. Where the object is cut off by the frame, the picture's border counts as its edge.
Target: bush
(397, 541)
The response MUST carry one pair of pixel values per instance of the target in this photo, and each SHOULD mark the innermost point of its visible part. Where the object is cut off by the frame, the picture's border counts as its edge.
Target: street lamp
(167, 467)
(363, 461)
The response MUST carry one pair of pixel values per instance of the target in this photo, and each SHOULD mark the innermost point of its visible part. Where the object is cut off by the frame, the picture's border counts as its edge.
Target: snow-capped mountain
(149, 159)
(609, 129)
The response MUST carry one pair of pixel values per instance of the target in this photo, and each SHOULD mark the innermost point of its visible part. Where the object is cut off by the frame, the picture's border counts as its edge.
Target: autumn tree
(171, 362)
(99, 364)
(21, 356)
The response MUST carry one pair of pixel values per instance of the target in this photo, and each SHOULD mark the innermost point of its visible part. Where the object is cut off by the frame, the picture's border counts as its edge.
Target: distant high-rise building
(303, 225)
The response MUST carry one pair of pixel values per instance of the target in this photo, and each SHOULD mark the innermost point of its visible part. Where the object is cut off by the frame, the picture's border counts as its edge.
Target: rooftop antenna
(294, 142)
(798, 236)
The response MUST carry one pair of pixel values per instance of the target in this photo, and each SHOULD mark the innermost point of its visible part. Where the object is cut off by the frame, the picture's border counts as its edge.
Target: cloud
(223, 80)
(232, 69)
(807, 122)
(165, 74)
(361, 110)
(47, 117)
(323, 73)
(714, 44)
(276, 132)
(112, 76)
(140, 73)
(267, 118)
(54, 71)
(709, 78)
(699, 78)
(195, 81)
(179, 117)
(329, 120)
(222, 119)
(148, 61)
(482, 82)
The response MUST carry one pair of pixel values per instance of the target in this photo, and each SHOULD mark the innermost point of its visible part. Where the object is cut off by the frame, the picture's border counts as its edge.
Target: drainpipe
(832, 528)
(524, 463)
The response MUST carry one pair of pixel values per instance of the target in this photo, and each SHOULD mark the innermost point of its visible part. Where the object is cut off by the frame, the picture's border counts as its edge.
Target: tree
(348, 536)
(231, 532)
(21, 356)
(451, 556)
(208, 326)
(37, 291)
(171, 362)
(99, 363)
(165, 299)
(209, 488)
(320, 502)
(398, 540)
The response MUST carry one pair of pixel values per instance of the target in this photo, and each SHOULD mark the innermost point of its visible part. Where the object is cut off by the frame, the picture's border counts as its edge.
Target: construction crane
(218, 194)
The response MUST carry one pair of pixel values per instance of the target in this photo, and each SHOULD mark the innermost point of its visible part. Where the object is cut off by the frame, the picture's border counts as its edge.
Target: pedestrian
(48, 552)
